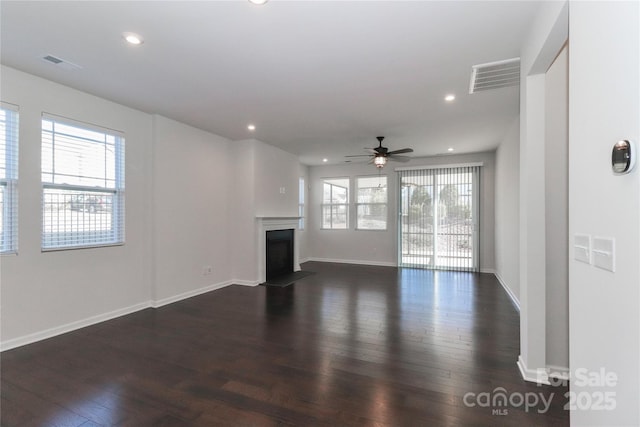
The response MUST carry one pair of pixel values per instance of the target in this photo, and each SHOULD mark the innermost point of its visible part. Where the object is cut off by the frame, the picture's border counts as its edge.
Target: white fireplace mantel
(272, 223)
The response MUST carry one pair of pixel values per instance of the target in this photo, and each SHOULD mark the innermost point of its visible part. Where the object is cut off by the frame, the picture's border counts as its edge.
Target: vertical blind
(82, 185)
(8, 178)
(438, 224)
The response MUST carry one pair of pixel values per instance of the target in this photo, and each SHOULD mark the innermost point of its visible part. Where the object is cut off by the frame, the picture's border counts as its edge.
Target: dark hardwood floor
(348, 346)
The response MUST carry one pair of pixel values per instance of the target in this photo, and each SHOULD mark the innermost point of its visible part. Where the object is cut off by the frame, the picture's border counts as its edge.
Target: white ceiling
(318, 78)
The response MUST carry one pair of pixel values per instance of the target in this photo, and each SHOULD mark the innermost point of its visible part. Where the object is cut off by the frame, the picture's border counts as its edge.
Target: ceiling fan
(380, 154)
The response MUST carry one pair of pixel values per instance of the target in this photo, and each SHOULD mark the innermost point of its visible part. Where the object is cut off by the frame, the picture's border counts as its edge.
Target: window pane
(8, 179)
(326, 216)
(339, 216)
(335, 203)
(339, 195)
(77, 218)
(372, 203)
(301, 191)
(3, 144)
(77, 156)
(301, 215)
(372, 217)
(74, 158)
(2, 224)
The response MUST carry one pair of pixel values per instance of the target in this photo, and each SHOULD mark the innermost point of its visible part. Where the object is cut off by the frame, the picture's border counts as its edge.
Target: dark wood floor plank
(348, 346)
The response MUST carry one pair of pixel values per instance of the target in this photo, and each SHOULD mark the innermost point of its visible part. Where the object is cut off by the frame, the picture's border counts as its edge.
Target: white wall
(191, 202)
(548, 34)
(604, 107)
(275, 170)
(303, 172)
(379, 247)
(507, 219)
(556, 163)
(261, 170)
(242, 209)
(191, 183)
(45, 293)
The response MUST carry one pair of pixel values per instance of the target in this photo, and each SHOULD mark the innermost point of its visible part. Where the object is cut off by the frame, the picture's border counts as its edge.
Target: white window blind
(8, 178)
(371, 204)
(82, 185)
(439, 213)
(335, 203)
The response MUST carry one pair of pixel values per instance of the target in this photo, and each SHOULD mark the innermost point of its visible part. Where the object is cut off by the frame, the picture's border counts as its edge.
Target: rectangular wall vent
(61, 63)
(494, 75)
(53, 59)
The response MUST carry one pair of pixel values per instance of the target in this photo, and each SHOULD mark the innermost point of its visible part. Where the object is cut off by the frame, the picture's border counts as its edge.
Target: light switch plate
(582, 248)
(603, 253)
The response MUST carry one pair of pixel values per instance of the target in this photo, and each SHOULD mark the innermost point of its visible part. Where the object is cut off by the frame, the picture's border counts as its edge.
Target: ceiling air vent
(494, 75)
(61, 63)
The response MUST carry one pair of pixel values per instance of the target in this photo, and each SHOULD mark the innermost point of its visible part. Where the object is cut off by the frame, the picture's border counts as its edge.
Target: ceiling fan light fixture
(380, 161)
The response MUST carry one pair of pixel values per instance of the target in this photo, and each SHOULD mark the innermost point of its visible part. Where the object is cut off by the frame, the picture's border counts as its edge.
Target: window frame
(332, 205)
(385, 204)
(115, 236)
(9, 237)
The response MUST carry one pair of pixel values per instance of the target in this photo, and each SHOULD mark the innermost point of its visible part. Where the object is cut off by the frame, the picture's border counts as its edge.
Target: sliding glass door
(438, 218)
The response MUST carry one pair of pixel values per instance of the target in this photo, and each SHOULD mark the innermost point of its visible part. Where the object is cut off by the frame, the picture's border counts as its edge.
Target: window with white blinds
(8, 178)
(439, 212)
(82, 185)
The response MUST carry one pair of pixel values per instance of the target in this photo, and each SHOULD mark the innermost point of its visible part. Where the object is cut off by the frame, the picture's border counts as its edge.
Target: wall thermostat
(623, 157)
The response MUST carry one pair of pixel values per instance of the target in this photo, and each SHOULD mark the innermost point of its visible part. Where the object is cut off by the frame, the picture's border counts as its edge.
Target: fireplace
(279, 253)
(266, 224)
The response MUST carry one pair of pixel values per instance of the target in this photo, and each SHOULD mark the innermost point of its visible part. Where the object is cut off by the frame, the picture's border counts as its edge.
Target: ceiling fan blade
(402, 150)
(402, 159)
(361, 155)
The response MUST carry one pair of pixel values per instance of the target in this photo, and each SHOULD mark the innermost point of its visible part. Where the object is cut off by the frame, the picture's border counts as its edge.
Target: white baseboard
(69, 327)
(507, 290)
(303, 260)
(189, 294)
(63, 329)
(538, 376)
(559, 372)
(245, 282)
(358, 262)
(487, 270)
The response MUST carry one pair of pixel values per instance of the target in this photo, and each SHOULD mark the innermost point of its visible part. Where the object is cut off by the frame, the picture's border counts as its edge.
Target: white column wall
(604, 106)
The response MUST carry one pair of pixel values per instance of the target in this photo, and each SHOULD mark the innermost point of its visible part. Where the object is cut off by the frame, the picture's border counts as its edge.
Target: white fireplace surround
(273, 223)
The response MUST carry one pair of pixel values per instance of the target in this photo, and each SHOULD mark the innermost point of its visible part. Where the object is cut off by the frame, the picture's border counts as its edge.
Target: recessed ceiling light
(325, 160)
(258, 2)
(251, 127)
(133, 38)
(450, 149)
(449, 98)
